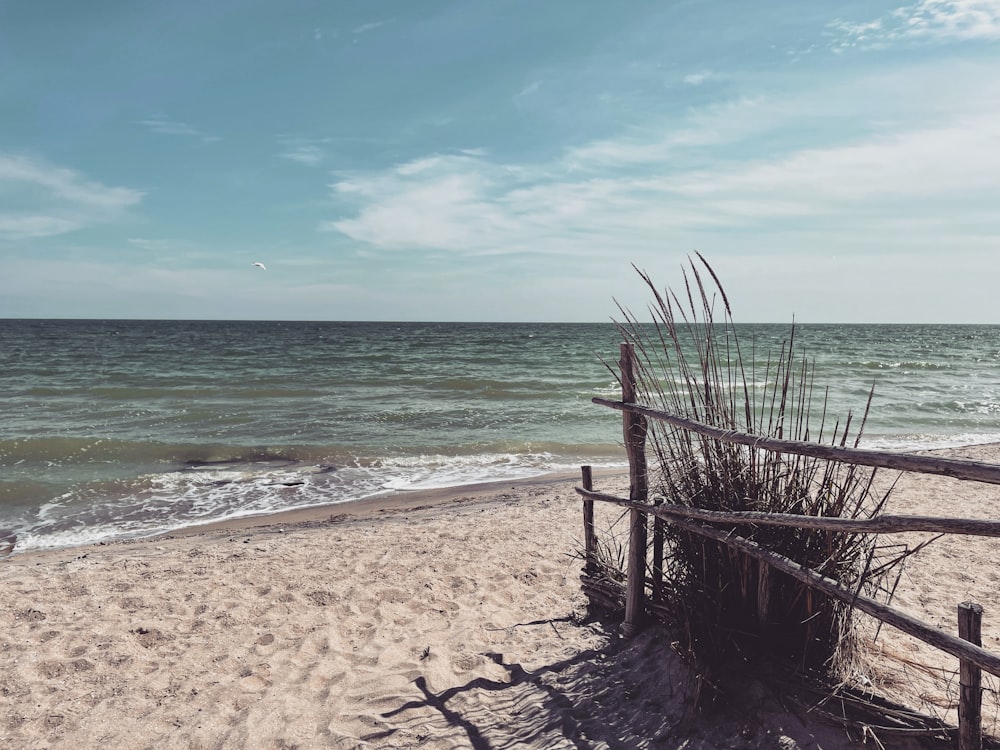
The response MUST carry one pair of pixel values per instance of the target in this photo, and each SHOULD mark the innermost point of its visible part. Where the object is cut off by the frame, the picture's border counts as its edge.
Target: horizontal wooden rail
(949, 467)
(957, 647)
(938, 638)
(878, 525)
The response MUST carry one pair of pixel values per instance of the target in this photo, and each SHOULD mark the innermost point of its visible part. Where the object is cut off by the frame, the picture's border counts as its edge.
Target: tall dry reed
(727, 610)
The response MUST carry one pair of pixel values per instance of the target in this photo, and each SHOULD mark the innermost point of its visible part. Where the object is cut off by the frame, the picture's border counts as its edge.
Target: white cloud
(164, 126)
(634, 194)
(54, 200)
(958, 159)
(371, 26)
(532, 88)
(697, 79)
(168, 127)
(22, 226)
(441, 202)
(715, 125)
(309, 154)
(474, 207)
(959, 20)
(853, 34)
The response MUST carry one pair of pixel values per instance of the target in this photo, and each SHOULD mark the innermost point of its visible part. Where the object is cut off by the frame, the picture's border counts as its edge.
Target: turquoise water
(113, 428)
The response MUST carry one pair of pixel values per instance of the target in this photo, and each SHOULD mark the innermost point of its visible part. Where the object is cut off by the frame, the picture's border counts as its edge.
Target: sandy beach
(445, 619)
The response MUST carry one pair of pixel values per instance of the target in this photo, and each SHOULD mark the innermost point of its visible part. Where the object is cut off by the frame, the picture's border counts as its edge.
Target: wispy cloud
(371, 26)
(960, 19)
(438, 202)
(956, 162)
(532, 88)
(319, 34)
(697, 79)
(715, 125)
(475, 207)
(310, 153)
(636, 192)
(54, 200)
(164, 126)
(928, 19)
(854, 34)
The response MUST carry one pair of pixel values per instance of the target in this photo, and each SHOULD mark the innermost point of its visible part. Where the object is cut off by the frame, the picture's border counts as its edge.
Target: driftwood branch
(878, 525)
(949, 467)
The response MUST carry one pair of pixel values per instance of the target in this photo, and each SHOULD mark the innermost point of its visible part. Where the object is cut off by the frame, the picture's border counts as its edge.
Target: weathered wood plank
(886, 524)
(949, 467)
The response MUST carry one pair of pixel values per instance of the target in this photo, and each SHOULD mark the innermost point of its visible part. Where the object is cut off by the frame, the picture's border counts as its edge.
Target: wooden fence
(966, 647)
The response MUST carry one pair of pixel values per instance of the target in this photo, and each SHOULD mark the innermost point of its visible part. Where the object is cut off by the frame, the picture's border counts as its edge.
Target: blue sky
(498, 159)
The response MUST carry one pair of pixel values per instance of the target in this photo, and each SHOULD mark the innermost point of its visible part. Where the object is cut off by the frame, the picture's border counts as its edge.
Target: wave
(877, 364)
(64, 450)
(205, 491)
(133, 427)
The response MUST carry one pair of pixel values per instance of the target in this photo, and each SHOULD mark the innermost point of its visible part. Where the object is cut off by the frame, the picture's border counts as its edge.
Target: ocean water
(130, 428)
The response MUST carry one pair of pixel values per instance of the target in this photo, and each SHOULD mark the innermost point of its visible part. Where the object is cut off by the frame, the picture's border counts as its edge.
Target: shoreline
(396, 501)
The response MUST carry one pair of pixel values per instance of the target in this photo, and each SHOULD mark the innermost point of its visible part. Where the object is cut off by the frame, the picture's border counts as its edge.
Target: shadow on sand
(633, 693)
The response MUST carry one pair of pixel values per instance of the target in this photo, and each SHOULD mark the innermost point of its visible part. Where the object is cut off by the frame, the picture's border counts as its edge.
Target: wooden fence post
(634, 429)
(589, 535)
(970, 731)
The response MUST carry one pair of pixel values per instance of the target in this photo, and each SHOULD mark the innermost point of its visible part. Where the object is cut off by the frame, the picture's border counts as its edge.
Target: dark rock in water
(254, 463)
(196, 465)
(326, 468)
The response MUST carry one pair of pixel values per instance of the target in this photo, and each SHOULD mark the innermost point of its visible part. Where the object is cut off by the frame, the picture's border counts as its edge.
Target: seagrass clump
(727, 609)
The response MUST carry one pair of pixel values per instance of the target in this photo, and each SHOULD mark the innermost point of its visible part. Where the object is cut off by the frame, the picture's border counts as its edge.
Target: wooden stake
(589, 534)
(970, 731)
(634, 429)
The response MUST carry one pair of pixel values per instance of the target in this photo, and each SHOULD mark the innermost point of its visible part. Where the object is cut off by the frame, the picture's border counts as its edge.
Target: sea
(114, 429)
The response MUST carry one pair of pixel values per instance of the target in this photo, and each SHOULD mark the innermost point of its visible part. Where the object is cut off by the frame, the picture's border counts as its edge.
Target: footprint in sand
(257, 679)
(52, 669)
(150, 637)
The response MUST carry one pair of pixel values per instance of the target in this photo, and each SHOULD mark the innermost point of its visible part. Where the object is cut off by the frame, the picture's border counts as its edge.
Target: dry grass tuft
(727, 613)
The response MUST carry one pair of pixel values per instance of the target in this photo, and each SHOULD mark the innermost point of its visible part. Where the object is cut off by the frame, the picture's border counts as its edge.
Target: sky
(498, 160)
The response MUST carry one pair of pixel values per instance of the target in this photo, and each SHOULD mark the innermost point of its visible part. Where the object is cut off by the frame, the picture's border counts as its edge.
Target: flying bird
(259, 265)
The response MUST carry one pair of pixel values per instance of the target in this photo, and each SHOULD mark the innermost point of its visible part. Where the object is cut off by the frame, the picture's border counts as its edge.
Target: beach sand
(447, 619)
